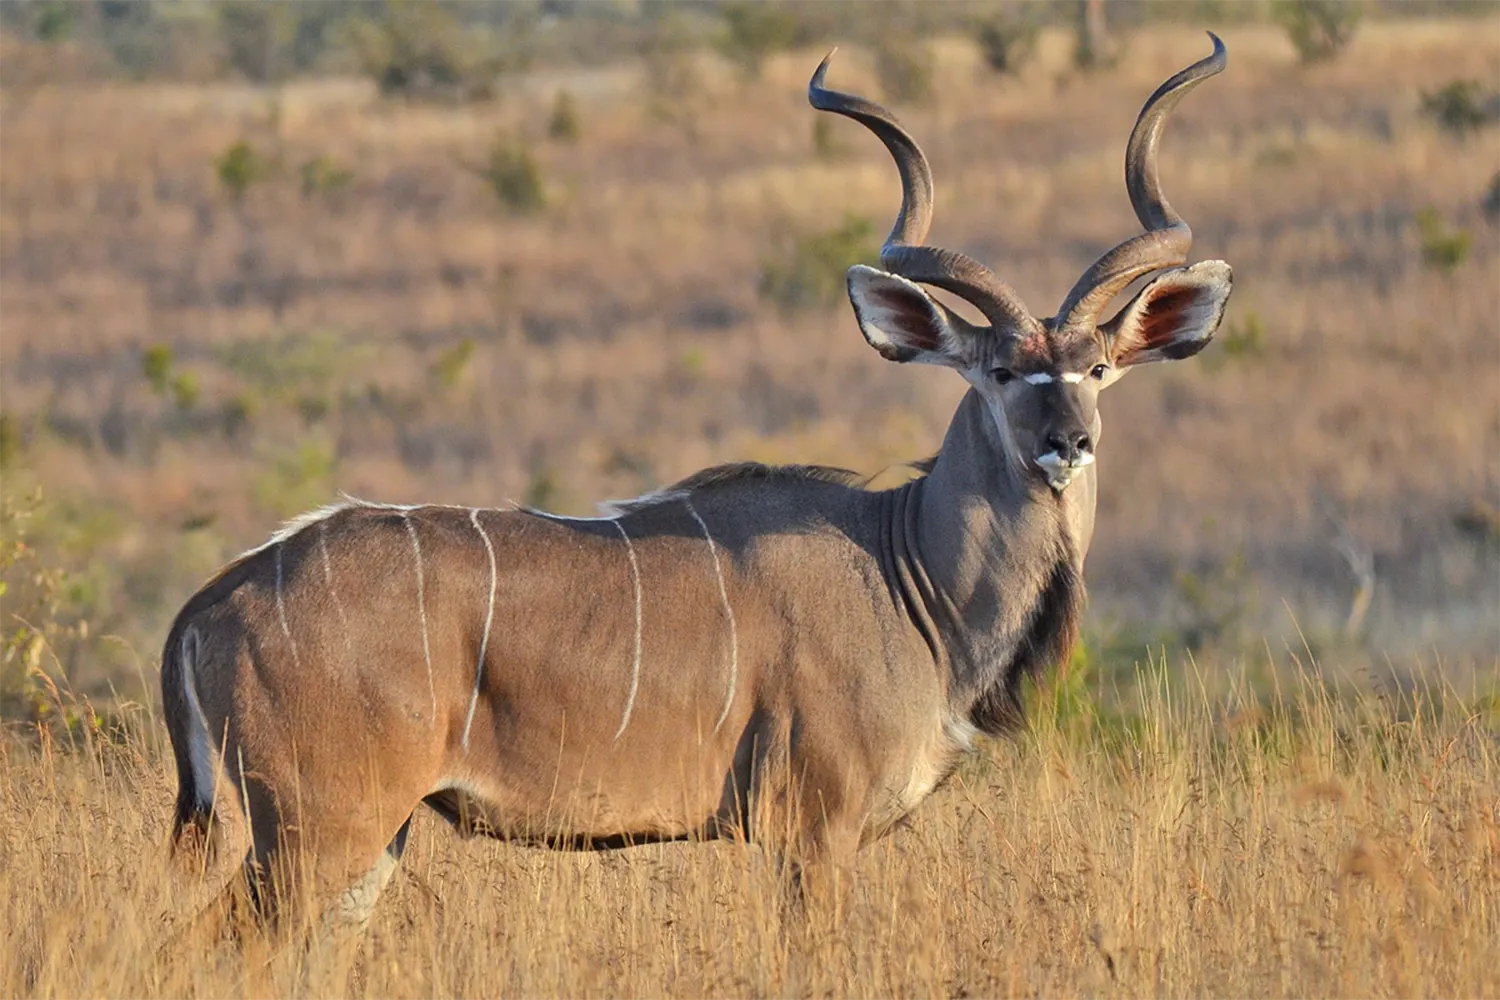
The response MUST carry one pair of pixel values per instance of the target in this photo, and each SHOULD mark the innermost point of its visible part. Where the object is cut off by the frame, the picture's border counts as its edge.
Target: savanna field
(1273, 767)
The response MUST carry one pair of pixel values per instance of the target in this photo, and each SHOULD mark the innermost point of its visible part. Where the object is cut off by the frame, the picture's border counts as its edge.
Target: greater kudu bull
(774, 653)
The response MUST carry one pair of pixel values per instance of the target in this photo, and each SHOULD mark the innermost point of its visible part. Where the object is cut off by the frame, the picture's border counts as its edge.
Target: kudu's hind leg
(354, 905)
(322, 870)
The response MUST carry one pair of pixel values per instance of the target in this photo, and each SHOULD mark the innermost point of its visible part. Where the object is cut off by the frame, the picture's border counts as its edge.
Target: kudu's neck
(994, 563)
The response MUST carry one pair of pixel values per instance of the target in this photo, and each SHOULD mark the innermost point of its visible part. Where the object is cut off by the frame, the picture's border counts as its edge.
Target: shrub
(39, 616)
(753, 29)
(1245, 338)
(1491, 203)
(1006, 42)
(184, 390)
(11, 443)
(545, 491)
(452, 366)
(564, 125)
(239, 167)
(322, 176)
(54, 22)
(156, 365)
(237, 413)
(811, 271)
(416, 48)
(1462, 107)
(257, 37)
(905, 70)
(1442, 249)
(160, 370)
(131, 34)
(1318, 29)
(514, 177)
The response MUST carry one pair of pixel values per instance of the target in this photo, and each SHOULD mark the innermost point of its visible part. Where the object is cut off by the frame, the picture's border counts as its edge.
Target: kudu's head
(1040, 378)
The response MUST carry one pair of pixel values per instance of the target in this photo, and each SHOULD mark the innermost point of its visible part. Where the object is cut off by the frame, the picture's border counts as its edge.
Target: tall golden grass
(1201, 842)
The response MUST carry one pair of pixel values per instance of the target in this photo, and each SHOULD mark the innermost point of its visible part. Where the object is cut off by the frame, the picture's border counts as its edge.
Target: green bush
(11, 442)
(810, 272)
(54, 22)
(184, 390)
(1443, 249)
(753, 30)
(238, 412)
(417, 48)
(545, 491)
(161, 373)
(514, 176)
(452, 366)
(1242, 339)
(1007, 42)
(905, 69)
(1245, 338)
(156, 365)
(564, 125)
(239, 167)
(257, 37)
(1318, 29)
(1490, 205)
(322, 176)
(1462, 107)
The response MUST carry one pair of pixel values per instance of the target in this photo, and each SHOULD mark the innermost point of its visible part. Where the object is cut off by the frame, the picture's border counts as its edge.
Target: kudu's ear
(1173, 317)
(903, 322)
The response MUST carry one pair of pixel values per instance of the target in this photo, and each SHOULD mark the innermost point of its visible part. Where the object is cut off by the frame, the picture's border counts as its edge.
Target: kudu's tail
(195, 834)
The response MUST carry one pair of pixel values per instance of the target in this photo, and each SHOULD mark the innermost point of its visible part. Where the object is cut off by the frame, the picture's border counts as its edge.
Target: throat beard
(1047, 639)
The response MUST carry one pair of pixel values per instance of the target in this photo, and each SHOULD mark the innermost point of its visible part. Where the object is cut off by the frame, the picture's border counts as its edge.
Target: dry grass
(1316, 846)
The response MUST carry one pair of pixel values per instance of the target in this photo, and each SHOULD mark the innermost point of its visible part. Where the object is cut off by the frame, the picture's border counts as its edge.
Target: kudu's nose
(1070, 446)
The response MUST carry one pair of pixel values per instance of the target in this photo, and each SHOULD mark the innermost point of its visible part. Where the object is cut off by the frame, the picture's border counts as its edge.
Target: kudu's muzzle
(1065, 448)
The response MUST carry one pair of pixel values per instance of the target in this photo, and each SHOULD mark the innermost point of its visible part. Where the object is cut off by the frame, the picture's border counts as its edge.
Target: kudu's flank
(768, 653)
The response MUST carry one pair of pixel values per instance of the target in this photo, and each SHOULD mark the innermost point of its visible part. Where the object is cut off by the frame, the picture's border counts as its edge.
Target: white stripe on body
(281, 610)
(734, 639)
(416, 548)
(332, 590)
(635, 669)
(489, 618)
(635, 579)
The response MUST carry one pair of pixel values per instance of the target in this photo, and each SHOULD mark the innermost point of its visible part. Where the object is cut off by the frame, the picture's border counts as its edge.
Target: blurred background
(255, 254)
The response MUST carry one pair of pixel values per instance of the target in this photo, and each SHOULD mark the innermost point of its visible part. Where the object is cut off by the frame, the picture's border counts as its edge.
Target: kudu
(776, 654)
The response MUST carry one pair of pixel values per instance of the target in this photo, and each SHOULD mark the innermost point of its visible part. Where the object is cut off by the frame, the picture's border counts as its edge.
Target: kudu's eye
(1099, 371)
(1002, 375)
